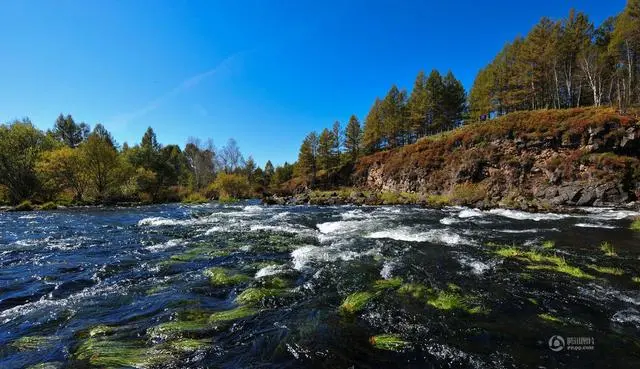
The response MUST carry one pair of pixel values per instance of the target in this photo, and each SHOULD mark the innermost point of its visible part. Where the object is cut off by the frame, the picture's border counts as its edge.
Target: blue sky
(263, 72)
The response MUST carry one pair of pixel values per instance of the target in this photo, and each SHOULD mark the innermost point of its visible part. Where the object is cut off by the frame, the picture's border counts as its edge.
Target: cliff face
(526, 160)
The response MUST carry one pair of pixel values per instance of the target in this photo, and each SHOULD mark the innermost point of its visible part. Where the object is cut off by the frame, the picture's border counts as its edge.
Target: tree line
(563, 64)
(436, 104)
(74, 164)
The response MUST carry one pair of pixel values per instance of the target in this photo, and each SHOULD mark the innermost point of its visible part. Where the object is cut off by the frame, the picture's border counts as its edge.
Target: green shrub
(24, 206)
(635, 225)
(48, 206)
(195, 198)
(232, 186)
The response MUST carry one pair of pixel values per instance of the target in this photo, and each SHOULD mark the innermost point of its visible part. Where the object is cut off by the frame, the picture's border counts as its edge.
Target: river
(243, 285)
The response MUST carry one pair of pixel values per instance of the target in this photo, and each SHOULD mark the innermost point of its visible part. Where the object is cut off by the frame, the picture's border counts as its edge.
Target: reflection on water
(246, 285)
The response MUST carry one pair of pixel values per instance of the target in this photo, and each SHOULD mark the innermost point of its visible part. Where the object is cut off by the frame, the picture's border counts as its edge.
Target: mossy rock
(178, 328)
(190, 344)
(239, 312)
(221, 277)
(256, 295)
(118, 354)
(32, 343)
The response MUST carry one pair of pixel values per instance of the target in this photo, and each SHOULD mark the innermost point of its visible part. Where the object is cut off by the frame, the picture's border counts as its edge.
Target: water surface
(74, 282)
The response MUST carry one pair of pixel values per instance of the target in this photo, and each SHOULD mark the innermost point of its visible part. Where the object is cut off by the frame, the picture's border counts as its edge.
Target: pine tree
(326, 150)
(372, 133)
(307, 157)
(393, 117)
(453, 101)
(68, 132)
(268, 172)
(417, 108)
(434, 97)
(353, 136)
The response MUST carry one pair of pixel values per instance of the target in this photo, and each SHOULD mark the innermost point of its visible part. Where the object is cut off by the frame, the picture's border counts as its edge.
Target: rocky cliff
(529, 160)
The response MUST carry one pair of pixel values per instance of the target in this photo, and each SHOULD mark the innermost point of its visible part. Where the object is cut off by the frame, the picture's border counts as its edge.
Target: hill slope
(526, 160)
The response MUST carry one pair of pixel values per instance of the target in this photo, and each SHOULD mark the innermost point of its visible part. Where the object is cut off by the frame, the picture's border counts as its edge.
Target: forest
(559, 64)
(73, 165)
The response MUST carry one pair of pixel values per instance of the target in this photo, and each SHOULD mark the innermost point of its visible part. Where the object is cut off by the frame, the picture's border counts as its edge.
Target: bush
(635, 225)
(48, 206)
(230, 186)
(195, 198)
(24, 206)
(468, 193)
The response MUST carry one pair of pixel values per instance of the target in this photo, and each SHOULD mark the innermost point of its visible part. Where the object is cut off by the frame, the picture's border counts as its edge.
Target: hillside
(525, 159)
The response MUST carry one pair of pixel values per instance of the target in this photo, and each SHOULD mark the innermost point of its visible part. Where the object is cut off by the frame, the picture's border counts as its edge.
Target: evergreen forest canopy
(559, 64)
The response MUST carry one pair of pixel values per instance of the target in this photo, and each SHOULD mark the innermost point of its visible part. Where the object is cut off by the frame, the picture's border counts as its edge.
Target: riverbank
(367, 197)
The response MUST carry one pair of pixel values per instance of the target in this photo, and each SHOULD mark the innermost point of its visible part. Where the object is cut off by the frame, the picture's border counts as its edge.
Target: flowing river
(244, 285)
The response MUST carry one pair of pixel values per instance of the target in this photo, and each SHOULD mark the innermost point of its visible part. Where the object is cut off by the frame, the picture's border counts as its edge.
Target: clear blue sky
(263, 72)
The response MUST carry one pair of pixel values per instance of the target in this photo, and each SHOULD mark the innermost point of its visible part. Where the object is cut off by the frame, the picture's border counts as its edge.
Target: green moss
(549, 318)
(635, 225)
(417, 291)
(177, 328)
(222, 277)
(533, 301)
(30, 343)
(388, 342)
(227, 200)
(254, 296)
(275, 282)
(563, 268)
(159, 288)
(548, 244)
(233, 314)
(606, 270)
(199, 253)
(608, 249)
(101, 330)
(48, 206)
(453, 287)
(508, 252)
(118, 354)
(385, 284)
(189, 344)
(447, 301)
(635, 279)
(356, 302)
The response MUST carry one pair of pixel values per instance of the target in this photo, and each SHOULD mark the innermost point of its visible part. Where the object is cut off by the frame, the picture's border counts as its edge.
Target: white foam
(470, 213)
(477, 267)
(523, 215)
(269, 270)
(163, 246)
(353, 214)
(594, 225)
(449, 221)
(387, 268)
(609, 213)
(410, 235)
(158, 222)
(304, 255)
(627, 316)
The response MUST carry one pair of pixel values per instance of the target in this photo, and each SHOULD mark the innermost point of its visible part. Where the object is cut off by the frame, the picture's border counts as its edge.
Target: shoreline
(355, 198)
(372, 198)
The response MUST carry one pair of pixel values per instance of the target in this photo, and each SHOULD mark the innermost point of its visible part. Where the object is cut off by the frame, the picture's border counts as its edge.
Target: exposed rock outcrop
(543, 159)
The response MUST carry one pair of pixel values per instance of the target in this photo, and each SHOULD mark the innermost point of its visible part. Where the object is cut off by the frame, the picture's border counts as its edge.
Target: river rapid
(245, 285)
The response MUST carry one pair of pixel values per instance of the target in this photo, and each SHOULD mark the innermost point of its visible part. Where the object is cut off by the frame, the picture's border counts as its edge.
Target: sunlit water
(63, 273)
